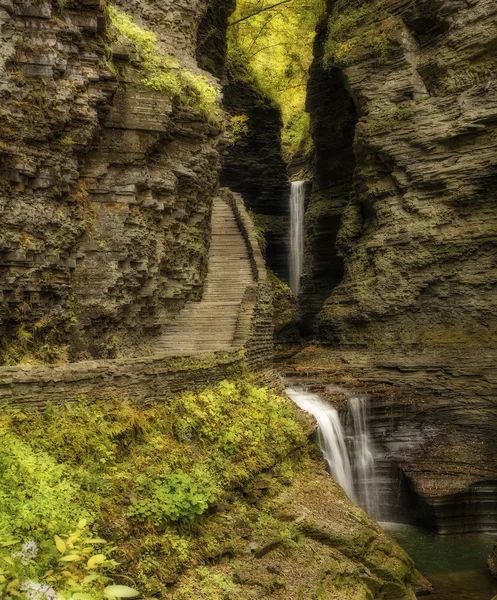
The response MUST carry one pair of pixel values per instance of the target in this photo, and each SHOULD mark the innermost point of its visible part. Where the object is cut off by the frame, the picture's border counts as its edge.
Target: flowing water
(455, 564)
(331, 437)
(297, 197)
(348, 448)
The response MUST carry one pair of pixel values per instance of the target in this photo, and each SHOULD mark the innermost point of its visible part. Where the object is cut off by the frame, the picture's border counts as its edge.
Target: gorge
(203, 202)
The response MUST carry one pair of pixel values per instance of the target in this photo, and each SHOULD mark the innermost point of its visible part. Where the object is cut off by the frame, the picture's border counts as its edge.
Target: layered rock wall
(333, 120)
(419, 231)
(105, 183)
(413, 217)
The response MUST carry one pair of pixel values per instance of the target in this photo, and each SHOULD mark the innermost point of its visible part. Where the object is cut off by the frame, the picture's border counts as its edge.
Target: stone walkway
(218, 322)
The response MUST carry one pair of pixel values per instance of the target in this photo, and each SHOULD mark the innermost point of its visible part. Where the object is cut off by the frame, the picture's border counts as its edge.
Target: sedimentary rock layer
(433, 425)
(419, 231)
(105, 183)
(416, 228)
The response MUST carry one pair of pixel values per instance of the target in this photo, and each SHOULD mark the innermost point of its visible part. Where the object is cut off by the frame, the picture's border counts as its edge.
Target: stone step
(217, 322)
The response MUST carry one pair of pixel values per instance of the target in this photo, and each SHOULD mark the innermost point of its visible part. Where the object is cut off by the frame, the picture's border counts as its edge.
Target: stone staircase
(221, 320)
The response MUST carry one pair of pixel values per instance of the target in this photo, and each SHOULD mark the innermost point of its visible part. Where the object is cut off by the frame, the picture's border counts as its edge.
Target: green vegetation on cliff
(275, 40)
(142, 477)
(162, 71)
(357, 27)
(214, 495)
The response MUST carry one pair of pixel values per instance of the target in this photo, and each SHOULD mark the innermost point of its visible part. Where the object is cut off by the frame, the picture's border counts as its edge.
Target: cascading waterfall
(364, 462)
(349, 457)
(297, 197)
(331, 437)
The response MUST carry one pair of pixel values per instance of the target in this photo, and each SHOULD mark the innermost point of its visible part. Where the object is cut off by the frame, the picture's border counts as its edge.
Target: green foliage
(148, 473)
(69, 566)
(276, 47)
(355, 25)
(239, 127)
(172, 497)
(162, 72)
(38, 496)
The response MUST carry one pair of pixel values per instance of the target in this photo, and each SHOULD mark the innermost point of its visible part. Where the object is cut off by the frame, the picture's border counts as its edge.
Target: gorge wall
(404, 95)
(106, 183)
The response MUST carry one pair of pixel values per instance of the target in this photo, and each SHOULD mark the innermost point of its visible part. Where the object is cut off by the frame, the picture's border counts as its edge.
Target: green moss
(285, 305)
(162, 72)
(352, 27)
(387, 120)
(148, 474)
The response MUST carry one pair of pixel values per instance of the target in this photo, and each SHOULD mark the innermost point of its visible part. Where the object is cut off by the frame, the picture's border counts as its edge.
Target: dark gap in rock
(333, 122)
(254, 165)
(212, 37)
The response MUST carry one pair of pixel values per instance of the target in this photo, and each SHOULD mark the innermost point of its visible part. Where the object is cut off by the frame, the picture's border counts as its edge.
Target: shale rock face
(419, 231)
(105, 184)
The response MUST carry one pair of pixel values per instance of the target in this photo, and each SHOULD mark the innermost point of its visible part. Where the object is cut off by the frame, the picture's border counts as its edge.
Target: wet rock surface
(415, 225)
(436, 451)
(307, 539)
(492, 562)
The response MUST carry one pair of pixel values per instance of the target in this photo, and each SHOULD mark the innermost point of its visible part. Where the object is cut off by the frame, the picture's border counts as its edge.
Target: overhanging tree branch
(260, 11)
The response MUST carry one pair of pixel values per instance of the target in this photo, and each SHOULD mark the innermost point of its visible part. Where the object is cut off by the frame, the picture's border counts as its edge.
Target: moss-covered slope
(215, 495)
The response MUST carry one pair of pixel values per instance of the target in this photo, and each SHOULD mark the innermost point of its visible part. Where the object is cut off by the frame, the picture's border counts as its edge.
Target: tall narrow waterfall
(364, 463)
(297, 197)
(347, 450)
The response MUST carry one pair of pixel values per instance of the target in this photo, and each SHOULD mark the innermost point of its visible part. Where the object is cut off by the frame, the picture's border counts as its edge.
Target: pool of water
(456, 565)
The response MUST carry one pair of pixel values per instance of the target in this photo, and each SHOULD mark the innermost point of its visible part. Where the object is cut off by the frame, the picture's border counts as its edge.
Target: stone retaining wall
(153, 378)
(148, 379)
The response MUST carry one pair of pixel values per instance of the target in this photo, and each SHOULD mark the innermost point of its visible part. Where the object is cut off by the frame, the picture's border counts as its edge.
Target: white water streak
(330, 437)
(350, 458)
(297, 198)
(364, 462)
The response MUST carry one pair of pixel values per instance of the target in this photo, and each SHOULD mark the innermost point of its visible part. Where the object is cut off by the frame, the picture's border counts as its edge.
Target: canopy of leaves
(275, 38)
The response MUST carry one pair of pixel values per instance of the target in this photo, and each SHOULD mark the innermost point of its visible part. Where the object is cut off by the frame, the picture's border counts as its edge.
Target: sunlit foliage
(276, 38)
(143, 477)
(162, 72)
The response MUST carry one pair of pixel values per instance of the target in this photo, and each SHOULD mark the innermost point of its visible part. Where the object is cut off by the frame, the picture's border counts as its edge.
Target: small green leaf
(120, 591)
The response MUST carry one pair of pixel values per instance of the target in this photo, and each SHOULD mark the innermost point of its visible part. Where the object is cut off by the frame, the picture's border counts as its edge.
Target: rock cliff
(403, 97)
(105, 183)
(418, 228)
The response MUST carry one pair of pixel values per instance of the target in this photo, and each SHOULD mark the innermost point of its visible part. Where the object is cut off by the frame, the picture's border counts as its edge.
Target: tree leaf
(71, 558)
(120, 591)
(60, 544)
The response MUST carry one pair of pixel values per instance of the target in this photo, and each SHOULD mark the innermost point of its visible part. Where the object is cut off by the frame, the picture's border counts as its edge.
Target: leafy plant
(172, 497)
(122, 465)
(38, 496)
(73, 566)
(271, 45)
(239, 127)
(162, 72)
